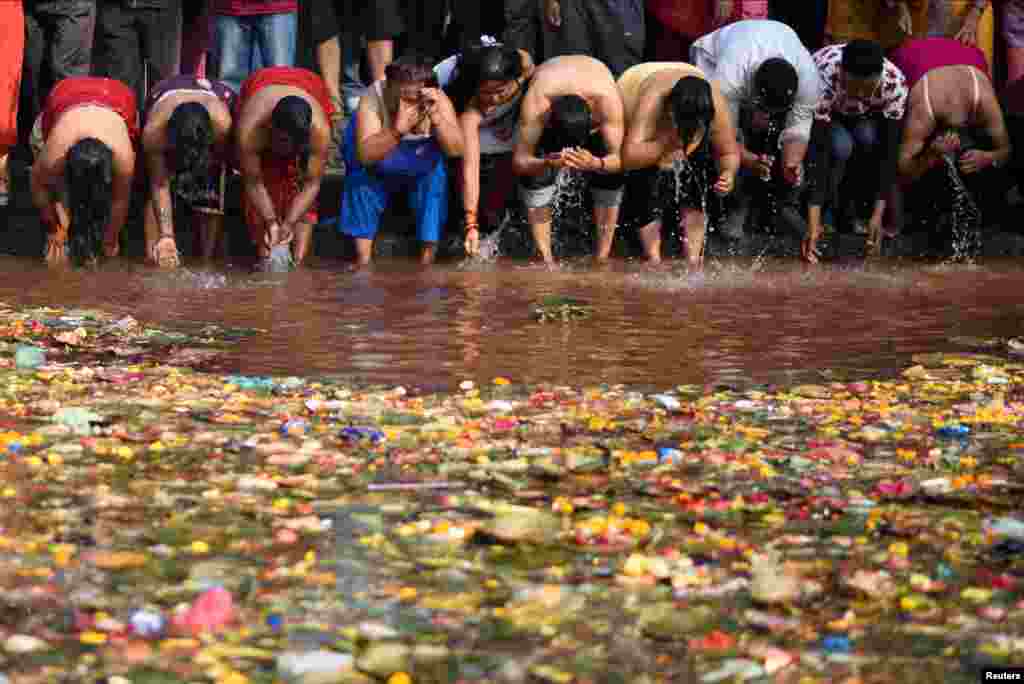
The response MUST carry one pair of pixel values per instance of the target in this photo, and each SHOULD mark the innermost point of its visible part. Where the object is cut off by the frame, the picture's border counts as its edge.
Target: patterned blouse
(889, 99)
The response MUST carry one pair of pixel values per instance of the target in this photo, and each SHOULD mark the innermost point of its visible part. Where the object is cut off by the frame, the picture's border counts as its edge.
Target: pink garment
(918, 56)
(248, 8)
(694, 19)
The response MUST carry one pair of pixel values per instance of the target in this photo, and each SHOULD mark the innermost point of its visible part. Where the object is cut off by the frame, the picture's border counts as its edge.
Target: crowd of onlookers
(356, 47)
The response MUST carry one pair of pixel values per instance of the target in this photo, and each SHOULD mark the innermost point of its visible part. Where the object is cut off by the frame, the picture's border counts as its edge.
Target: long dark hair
(692, 107)
(478, 63)
(294, 116)
(89, 177)
(190, 136)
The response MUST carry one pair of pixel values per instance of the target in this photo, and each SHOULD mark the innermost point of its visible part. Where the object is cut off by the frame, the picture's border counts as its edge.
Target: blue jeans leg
(276, 35)
(232, 50)
(429, 200)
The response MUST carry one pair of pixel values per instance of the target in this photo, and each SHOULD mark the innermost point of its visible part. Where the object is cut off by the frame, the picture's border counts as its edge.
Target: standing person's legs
(522, 26)
(232, 49)
(615, 31)
(382, 21)
(352, 86)
(160, 30)
(424, 27)
(276, 35)
(118, 54)
(74, 25)
(31, 75)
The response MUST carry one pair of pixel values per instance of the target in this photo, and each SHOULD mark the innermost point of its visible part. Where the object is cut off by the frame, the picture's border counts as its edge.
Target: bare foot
(56, 251)
(165, 253)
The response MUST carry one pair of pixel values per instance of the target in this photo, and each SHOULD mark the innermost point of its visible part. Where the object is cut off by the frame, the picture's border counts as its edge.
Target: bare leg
(328, 55)
(379, 53)
(540, 227)
(364, 251)
(650, 236)
(606, 219)
(211, 227)
(301, 241)
(151, 228)
(694, 226)
(428, 252)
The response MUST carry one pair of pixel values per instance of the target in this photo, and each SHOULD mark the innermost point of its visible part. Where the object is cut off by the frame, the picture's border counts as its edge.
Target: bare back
(154, 135)
(955, 97)
(253, 124)
(78, 123)
(651, 120)
(578, 75)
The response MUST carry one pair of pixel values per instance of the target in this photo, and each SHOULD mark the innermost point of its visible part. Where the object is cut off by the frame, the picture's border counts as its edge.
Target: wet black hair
(294, 116)
(775, 84)
(692, 107)
(478, 63)
(570, 122)
(863, 58)
(190, 137)
(89, 178)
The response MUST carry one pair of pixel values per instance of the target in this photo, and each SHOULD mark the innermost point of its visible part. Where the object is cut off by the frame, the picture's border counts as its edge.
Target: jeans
(129, 38)
(58, 44)
(847, 136)
(243, 45)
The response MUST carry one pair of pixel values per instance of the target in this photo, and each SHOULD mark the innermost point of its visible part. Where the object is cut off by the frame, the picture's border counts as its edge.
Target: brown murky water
(739, 322)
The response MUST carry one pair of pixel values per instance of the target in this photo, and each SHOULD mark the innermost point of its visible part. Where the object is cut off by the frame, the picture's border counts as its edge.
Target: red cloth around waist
(91, 90)
(303, 79)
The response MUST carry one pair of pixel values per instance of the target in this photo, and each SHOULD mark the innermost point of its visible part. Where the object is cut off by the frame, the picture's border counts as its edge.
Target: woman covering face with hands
(397, 142)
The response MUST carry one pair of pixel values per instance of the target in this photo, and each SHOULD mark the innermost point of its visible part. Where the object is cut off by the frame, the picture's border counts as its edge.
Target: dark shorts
(653, 194)
(539, 191)
(330, 18)
(382, 19)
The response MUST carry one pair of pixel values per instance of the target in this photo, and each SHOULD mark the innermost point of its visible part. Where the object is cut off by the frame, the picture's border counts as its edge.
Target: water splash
(965, 217)
(683, 169)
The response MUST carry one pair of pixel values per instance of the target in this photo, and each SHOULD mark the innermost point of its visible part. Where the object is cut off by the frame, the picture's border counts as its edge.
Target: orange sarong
(12, 38)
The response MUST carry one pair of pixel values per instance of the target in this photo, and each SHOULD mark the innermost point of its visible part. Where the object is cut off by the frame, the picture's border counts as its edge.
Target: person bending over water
(283, 130)
(397, 142)
(675, 117)
(185, 141)
(487, 84)
(572, 118)
(952, 112)
(83, 144)
(861, 110)
(772, 86)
